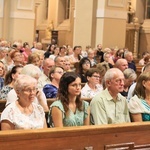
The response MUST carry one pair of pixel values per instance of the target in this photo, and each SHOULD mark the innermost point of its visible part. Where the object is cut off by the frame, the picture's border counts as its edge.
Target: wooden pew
(138, 69)
(129, 136)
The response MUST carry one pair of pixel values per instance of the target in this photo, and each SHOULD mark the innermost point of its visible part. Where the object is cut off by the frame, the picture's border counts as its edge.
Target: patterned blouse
(74, 119)
(4, 91)
(34, 120)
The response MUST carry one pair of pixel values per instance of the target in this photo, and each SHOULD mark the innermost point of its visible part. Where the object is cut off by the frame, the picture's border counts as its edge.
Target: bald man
(121, 64)
(48, 63)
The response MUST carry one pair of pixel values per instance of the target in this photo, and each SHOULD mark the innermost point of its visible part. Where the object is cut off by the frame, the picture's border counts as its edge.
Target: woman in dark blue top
(55, 74)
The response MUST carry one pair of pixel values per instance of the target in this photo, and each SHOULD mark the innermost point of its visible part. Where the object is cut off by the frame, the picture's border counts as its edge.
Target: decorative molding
(107, 13)
(1, 8)
(23, 15)
(25, 4)
(116, 3)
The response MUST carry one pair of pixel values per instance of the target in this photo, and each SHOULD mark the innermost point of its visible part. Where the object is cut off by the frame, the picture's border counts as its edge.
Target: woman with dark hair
(10, 78)
(69, 109)
(50, 50)
(84, 65)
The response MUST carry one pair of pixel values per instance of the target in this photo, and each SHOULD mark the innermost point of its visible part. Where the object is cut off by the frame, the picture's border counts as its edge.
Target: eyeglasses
(31, 90)
(96, 76)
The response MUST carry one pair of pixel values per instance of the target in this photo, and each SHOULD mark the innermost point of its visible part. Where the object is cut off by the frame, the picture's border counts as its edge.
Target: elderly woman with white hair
(40, 98)
(130, 77)
(23, 113)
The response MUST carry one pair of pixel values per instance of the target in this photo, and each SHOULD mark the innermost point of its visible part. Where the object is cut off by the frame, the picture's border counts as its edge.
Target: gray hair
(111, 73)
(31, 70)
(130, 74)
(23, 81)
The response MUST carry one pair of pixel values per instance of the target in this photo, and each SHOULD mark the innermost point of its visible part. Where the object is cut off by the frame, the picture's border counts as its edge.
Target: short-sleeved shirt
(50, 91)
(104, 110)
(23, 121)
(74, 119)
(137, 105)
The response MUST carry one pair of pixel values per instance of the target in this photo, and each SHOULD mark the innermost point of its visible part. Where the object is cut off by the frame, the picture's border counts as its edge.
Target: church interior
(112, 23)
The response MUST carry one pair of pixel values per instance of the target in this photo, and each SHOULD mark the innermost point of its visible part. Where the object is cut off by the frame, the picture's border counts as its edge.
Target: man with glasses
(109, 106)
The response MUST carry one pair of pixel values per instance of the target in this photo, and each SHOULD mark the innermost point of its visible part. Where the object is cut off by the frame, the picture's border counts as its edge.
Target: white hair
(31, 70)
(23, 81)
(130, 74)
(111, 73)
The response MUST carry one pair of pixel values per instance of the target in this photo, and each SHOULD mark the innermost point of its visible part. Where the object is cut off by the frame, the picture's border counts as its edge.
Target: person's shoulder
(37, 107)
(98, 97)
(122, 98)
(57, 104)
(49, 86)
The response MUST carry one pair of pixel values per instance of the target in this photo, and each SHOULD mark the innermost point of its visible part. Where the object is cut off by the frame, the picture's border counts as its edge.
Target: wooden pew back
(104, 137)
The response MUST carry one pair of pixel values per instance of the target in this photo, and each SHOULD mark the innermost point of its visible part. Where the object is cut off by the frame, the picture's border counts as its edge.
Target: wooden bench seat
(103, 137)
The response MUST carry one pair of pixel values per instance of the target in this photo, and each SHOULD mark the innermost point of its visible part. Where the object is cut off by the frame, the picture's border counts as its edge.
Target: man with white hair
(109, 106)
(129, 57)
(121, 64)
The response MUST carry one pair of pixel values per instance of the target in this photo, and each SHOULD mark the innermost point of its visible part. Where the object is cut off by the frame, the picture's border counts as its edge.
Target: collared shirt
(43, 80)
(104, 110)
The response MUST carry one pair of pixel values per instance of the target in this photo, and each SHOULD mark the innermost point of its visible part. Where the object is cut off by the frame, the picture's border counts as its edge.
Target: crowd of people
(30, 75)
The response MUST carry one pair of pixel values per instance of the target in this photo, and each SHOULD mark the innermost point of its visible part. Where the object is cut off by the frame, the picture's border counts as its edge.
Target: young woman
(10, 78)
(84, 65)
(139, 104)
(69, 109)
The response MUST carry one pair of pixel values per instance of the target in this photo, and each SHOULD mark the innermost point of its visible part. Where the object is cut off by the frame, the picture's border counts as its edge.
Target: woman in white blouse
(24, 113)
(139, 104)
(93, 86)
